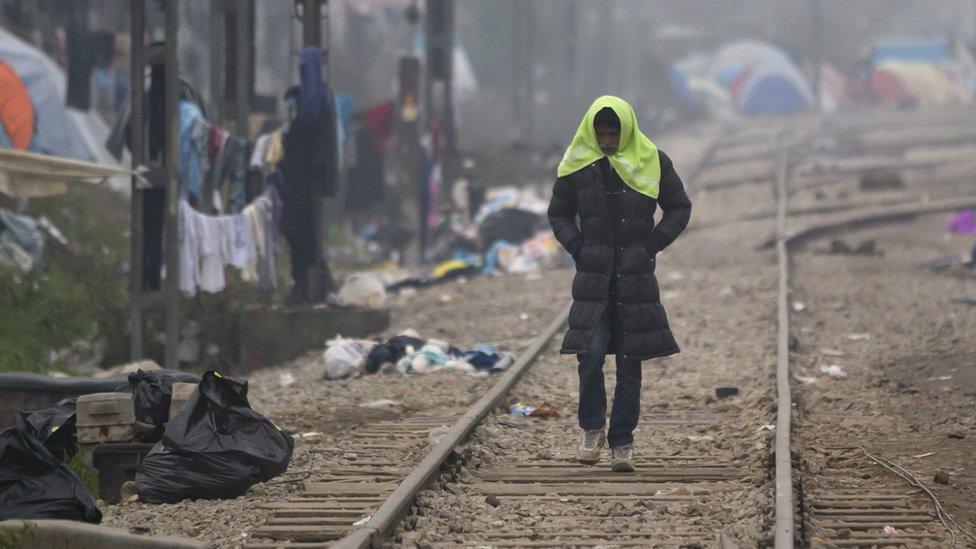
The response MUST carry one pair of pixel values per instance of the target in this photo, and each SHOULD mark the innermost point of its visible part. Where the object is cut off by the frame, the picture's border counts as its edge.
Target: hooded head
(609, 129)
(312, 91)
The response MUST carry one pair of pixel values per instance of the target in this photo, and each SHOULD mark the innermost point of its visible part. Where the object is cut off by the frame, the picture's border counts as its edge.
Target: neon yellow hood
(636, 160)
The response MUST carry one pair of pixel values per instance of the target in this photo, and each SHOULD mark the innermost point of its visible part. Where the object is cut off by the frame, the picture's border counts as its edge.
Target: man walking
(609, 184)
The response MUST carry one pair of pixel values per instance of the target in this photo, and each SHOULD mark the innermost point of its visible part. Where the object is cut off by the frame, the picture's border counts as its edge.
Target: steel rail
(386, 518)
(784, 525)
(784, 528)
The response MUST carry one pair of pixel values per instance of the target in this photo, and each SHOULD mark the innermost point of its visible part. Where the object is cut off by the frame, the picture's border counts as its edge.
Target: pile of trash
(217, 447)
(509, 234)
(35, 484)
(213, 445)
(408, 354)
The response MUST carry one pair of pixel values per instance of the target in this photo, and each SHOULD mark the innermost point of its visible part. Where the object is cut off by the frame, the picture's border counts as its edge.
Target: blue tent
(775, 88)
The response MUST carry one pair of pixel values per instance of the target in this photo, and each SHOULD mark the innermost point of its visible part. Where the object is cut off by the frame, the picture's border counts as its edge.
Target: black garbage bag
(393, 350)
(35, 485)
(216, 448)
(151, 395)
(54, 427)
(512, 225)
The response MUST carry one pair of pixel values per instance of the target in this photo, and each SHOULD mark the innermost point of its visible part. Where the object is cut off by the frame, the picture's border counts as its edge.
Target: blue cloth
(191, 159)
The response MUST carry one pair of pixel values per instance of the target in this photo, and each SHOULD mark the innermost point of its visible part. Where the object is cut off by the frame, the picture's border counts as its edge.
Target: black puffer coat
(614, 253)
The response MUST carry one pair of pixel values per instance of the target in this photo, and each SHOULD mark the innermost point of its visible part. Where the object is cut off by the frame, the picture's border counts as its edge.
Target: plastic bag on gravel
(54, 427)
(344, 357)
(34, 484)
(216, 448)
(364, 290)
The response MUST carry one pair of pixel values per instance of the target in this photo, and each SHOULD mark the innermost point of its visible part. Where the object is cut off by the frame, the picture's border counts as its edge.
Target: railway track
(674, 498)
(847, 496)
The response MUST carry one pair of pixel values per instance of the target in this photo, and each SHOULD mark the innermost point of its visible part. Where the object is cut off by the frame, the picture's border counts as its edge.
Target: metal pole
(242, 66)
(440, 67)
(311, 26)
(137, 145)
(816, 49)
(171, 286)
(217, 67)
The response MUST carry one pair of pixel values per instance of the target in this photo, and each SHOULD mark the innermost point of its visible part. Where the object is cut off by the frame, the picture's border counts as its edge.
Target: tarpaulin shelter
(32, 175)
(896, 83)
(933, 51)
(58, 130)
(16, 110)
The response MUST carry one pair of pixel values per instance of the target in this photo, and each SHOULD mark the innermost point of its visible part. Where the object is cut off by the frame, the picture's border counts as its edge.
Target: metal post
(217, 67)
(242, 66)
(408, 145)
(171, 287)
(816, 49)
(440, 67)
(311, 24)
(137, 13)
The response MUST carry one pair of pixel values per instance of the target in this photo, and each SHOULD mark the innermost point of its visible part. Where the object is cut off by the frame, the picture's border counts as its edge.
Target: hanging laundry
(262, 215)
(275, 149)
(260, 149)
(194, 159)
(209, 243)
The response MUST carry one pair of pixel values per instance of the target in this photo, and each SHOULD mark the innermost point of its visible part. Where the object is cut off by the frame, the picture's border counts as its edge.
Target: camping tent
(896, 83)
(775, 87)
(16, 111)
(732, 59)
(58, 130)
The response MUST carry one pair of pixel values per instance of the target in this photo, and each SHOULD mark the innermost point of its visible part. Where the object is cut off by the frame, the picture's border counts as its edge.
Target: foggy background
(528, 68)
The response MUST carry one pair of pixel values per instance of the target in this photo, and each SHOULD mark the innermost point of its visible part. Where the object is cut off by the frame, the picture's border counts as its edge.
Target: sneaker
(623, 459)
(590, 446)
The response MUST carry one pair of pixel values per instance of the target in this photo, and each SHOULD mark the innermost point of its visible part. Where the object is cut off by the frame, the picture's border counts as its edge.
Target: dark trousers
(593, 393)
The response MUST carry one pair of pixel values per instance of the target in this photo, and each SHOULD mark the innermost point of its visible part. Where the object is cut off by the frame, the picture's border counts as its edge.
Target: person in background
(611, 180)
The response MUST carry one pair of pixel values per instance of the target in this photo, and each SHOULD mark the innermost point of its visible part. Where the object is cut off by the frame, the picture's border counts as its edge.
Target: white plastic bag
(363, 290)
(343, 357)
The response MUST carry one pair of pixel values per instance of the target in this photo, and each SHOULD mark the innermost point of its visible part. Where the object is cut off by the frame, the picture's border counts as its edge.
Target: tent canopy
(896, 82)
(774, 88)
(58, 130)
(732, 59)
(16, 111)
(32, 175)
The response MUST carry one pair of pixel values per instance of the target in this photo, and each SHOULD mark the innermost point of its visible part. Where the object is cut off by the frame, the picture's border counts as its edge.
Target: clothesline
(245, 240)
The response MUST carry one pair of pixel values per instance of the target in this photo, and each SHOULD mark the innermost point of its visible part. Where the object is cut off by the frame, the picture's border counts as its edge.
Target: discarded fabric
(21, 242)
(834, 370)
(963, 223)
(520, 410)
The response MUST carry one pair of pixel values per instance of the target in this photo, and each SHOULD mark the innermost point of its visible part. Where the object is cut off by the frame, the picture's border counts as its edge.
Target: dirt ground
(908, 355)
